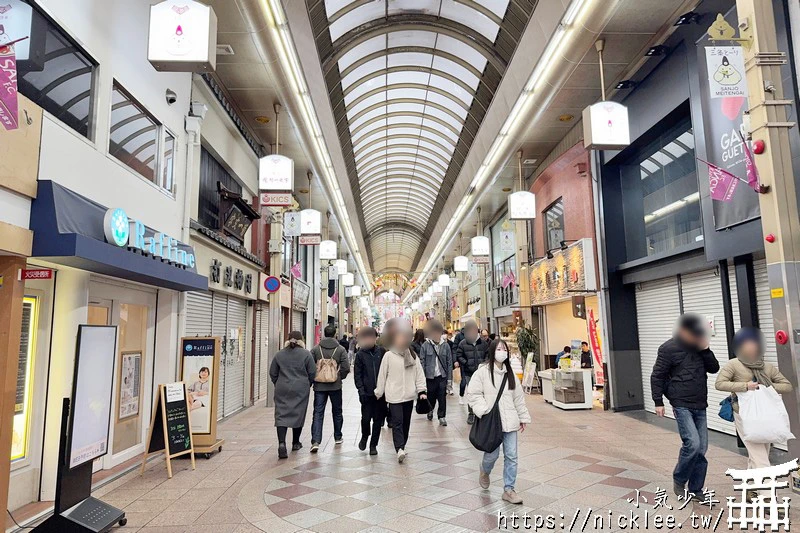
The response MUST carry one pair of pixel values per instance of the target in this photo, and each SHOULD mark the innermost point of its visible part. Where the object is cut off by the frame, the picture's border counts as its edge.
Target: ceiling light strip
(291, 64)
(538, 77)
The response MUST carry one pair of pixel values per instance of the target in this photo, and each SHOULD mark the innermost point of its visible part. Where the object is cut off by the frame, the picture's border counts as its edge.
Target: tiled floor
(568, 461)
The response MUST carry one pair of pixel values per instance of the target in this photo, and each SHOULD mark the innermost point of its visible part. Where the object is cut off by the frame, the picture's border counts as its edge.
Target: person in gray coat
(437, 362)
(292, 372)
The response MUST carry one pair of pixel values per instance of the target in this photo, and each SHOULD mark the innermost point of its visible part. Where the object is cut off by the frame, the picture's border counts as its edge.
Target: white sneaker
(401, 455)
(461, 400)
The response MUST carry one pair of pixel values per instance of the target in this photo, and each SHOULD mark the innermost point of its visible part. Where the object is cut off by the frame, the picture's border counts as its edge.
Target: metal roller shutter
(198, 314)
(262, 340)
(702, 294)
(657, 309)
(298, 317)
(235, 371)
(219, 329)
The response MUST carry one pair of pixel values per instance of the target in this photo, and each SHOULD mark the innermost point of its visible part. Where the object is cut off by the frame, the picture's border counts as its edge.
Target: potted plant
(528, 342)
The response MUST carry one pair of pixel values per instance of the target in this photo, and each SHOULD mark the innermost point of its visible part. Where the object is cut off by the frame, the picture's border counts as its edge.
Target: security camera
(171, 96)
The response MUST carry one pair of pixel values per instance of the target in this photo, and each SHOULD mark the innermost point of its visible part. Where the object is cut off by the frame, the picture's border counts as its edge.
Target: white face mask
(500, 356)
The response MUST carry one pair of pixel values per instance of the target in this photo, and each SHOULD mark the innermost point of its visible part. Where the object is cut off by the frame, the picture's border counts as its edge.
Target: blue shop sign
(126, 232)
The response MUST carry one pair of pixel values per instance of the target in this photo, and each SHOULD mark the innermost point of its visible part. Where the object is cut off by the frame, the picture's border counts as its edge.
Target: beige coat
(733, 377)
(481, 394)
(400, 378)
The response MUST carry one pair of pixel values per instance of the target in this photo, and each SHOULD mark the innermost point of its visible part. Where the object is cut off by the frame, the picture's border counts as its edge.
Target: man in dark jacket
(373, 410)
(470, 353)
(329, 348)
(680, 375)
(437, 363)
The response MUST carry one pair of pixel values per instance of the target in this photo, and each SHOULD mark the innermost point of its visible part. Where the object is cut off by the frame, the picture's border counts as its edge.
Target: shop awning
(69, 229)
(470, 314)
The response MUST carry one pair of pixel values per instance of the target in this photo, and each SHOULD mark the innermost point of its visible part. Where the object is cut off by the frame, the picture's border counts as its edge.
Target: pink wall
(562, 180)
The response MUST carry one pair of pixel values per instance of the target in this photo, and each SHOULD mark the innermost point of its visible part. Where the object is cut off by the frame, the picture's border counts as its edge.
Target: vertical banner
(8, 85)
(597, 349)
(723, 97)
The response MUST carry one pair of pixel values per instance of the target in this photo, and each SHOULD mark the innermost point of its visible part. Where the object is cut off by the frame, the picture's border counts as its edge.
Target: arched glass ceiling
(409, 83)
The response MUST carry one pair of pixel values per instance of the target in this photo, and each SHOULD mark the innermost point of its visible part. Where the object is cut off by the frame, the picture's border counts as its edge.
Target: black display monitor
(90, 416)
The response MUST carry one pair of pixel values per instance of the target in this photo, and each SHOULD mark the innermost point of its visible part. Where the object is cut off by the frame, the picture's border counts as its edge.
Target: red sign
(36, 273)
(278, 199)
(597, 349)
(310, 240)
(480, 259)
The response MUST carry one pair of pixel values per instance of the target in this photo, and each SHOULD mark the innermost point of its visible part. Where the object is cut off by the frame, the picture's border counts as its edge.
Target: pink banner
(296, 270)
(750, 164)
(597, 349)
(721, 183)
(8, 88)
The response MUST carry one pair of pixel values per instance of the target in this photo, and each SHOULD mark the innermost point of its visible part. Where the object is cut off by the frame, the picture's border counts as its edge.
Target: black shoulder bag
(487, 431)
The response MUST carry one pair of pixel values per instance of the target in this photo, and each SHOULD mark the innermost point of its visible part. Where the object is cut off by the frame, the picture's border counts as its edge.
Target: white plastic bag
(764, 417)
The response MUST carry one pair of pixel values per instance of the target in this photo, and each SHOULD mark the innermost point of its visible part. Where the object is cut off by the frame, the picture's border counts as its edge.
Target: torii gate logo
(764, 510)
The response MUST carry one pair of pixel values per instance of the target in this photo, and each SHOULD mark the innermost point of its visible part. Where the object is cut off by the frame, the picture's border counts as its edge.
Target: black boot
(373, 450)
(282, 454)
(362, 444)
(296, 446)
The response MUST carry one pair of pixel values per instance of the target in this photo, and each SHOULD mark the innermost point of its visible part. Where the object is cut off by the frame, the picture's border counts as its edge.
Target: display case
(572, 389)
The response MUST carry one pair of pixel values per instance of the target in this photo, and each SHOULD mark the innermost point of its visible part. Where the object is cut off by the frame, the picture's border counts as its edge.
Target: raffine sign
(127, 232)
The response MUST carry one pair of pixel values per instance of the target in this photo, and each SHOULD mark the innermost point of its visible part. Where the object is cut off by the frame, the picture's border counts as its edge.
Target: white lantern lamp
(356, 290)
(444, 280)
(327, 250)
(480, 245)
(341, 267)
(522, 206)
(310, 222)
(348, 280)
(461, 263)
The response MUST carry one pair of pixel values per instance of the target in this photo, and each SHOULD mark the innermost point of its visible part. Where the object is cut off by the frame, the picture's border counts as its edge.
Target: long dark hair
(512, 379)
(419, 336)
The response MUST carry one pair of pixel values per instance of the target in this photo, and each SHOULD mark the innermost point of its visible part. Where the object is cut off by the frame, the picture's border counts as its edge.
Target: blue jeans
(509, 459)
(320, 401)
(692, 463)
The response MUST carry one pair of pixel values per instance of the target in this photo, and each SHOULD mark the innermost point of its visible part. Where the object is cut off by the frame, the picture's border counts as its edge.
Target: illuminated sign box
(606, 127)
(183, 37)
(275, 173)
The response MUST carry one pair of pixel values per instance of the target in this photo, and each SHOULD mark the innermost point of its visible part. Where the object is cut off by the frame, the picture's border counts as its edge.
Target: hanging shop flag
(722, 183)
(335, 298)
(275, 173)
(726, 74)
(750, 164)
(296, 271)
(8, 85)
(507, 241)
(291, 224)
(597, 349)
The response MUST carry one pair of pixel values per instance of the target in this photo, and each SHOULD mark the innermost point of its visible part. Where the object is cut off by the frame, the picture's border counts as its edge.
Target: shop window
(52, 70)
(22, 401)
(140, 141)
(211, 173)
(661, 198)
(554, 224)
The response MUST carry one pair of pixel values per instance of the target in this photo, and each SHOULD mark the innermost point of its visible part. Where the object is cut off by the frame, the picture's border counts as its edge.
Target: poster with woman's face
(198, 367)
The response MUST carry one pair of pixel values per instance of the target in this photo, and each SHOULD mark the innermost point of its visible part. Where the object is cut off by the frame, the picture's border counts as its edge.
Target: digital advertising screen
(91, 396)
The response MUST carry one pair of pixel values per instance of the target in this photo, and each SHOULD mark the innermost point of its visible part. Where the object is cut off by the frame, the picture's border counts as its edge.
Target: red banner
(597, 349)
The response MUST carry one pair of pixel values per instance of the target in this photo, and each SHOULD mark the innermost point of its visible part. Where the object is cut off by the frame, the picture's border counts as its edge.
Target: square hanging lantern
(444, 280)
(426, 297)
(327, 250)
(415, 306)
(310, 222)
(480, 245)
(275, 173)
(461, 263)
(348, 280)
(356, 290)
(437, 288)
(341, 267)
(182, 36)
(522, 206)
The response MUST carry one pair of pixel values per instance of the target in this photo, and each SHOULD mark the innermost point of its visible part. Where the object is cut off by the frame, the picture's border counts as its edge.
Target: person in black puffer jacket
(471, 352)
(680, 375)
(373, 410)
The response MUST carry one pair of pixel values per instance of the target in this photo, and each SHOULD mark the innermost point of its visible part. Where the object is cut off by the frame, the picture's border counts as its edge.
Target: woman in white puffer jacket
(481, 395)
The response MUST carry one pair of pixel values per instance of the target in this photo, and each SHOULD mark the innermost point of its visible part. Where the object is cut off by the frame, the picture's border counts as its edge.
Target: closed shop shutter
(219, 329)
(237, 356)
(198, 314)
(702, 294)
(262, 340)
(298, 317)
(657, 309)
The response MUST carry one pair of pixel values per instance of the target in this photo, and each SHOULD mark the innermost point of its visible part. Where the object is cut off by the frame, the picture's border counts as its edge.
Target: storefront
(226, 310)
(93, 265)
(301, 292)
(260, 366)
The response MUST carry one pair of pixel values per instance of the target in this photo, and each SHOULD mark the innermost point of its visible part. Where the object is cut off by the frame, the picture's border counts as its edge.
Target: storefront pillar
(769, 122)
(11, 295)
(70, 309)
(342, 300)
(486, 305)
(275, 339)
